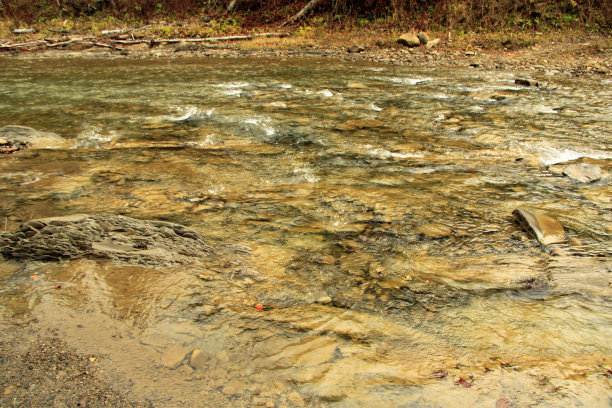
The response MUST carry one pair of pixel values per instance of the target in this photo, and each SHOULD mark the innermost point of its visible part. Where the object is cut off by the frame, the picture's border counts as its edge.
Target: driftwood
(95, 41)
(129, 30)
(230, 38)
(311, 4)
(23, 45)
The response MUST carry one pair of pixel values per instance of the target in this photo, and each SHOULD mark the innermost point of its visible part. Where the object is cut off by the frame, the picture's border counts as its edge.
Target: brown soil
(46, 372)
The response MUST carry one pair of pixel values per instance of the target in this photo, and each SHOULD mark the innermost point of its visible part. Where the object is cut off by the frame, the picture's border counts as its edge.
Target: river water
(325, 183)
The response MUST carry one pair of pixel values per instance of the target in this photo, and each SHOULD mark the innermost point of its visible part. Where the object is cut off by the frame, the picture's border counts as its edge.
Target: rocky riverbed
(303, 232)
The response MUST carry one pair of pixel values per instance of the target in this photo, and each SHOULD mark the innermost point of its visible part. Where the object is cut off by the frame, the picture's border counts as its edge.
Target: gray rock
(114, 237)
(184, 46)
(27, 137)
(355, 49)
(544, 228)
(583, 172)
(423, 37)
(526, 82)
(432, 43)
(409, 40)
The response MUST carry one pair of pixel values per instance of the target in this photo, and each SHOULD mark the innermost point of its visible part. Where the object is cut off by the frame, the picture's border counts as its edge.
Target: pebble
(325, 300)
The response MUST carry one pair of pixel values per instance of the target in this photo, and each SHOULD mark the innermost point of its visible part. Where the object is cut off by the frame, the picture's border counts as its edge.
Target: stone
(423, 37)
(409, 40)
(356, 85)
(114, 237)
(325, 300)
(434, 230)
(432, 43)
(526, 82)
(544, 228)
(355, 49)
(174, 357)
(360, 124)
(583, 172)
(198, 359)
(185, 46)
(32, 138)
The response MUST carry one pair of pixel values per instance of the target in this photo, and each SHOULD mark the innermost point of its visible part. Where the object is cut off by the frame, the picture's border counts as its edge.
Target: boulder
(583, 172)
(409, 40)
(23, 136)
(114, 237)
(185, 46)
(423, 37)
(544, 228)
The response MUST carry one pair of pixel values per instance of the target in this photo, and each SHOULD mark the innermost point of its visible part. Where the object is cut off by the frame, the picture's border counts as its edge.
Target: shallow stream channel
(362, 246)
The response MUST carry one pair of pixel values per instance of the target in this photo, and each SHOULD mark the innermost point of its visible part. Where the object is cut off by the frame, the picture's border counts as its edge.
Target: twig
(63, 43)
(104, 45)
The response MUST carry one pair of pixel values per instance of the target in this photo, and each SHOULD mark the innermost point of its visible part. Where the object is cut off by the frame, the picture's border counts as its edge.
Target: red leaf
(503, 403)
(464, 382)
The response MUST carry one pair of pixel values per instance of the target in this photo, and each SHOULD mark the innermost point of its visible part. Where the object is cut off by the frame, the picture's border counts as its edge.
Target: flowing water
(326, 222)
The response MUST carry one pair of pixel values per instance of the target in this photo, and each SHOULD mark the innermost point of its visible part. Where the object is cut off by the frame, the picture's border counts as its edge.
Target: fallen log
(229, 38)
(21, 45)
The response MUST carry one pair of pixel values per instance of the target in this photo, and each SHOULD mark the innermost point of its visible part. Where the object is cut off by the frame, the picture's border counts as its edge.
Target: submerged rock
(435, 230)
(23, 136)
(583, 172)
(544, 228)
(113, 237)
(360, 124)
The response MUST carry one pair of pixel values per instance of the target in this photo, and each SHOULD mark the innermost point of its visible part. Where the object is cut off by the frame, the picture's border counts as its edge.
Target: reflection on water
(361, 304)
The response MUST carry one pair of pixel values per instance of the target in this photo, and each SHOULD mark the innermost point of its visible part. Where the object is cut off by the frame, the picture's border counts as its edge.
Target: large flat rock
(546, 229)
(108, 236)
(31, 138)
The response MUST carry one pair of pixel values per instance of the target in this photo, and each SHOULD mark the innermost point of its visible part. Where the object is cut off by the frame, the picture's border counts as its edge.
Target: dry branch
(311, 4)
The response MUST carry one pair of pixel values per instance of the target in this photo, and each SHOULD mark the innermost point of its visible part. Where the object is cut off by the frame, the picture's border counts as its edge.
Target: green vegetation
(456, 16)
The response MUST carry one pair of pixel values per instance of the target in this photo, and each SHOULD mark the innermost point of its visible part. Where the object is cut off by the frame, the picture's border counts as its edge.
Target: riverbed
(364, 214)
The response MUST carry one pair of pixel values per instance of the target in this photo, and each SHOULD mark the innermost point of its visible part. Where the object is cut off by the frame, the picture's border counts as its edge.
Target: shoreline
(580, 56)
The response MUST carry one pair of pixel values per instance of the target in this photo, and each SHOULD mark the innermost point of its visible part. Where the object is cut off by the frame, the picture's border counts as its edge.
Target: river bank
(577, 54)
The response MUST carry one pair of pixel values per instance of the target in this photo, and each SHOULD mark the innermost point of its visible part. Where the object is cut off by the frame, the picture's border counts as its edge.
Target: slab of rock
(544, 228)
(435, 230)
(114, 237)
(27, 137)
(409, 40)
(583, 172)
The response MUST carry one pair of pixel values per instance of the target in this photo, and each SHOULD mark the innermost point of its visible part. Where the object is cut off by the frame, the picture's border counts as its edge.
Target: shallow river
(324, 183)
